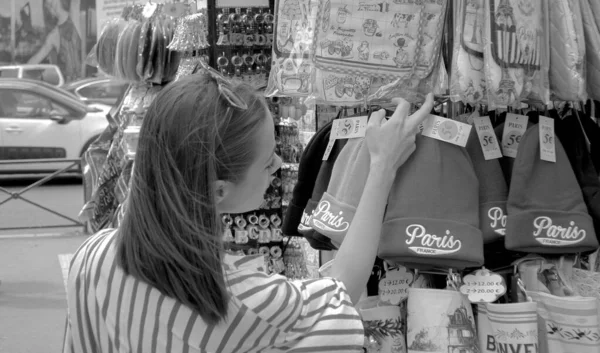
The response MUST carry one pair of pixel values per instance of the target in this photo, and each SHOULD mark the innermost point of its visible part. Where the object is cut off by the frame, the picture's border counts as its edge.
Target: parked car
(40, 121)
(102, 90)
(50, 74)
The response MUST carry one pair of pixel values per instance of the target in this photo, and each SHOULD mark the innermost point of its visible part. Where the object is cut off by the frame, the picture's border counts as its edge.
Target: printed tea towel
(468, 79)
(515, 54)
(292, 67)
(390, 39)
(440, 321)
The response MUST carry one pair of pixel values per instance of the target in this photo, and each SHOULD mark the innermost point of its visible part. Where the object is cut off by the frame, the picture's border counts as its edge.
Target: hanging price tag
(349, 128)
(446, 130)
(393, 287)
(514, 127)
(547, 139)
(483, 286)
(328, 149)
(487, 138)
(149, 9)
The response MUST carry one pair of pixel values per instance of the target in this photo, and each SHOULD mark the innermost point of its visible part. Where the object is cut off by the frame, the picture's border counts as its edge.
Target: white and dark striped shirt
(110, 311)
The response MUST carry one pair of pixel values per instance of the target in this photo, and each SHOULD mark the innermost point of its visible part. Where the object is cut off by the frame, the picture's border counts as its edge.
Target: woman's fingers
(377, 118)
(402, 110)
(419, 116)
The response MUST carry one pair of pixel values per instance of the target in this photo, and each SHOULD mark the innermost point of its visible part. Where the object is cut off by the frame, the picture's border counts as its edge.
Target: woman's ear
(222, 189)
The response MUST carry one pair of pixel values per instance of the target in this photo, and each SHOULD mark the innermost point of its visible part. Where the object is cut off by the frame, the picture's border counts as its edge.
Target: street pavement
(32, 294)
(64, 195)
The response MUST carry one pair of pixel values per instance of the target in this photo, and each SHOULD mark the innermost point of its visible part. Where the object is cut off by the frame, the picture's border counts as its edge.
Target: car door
(31, 132)
(106, 92)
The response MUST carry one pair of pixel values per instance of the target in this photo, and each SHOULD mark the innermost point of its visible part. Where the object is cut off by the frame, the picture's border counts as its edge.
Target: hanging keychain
(227, 235)
(237, 62)
(222, 64)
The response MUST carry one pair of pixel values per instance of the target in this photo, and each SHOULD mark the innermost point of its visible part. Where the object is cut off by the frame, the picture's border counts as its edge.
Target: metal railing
(18, 195)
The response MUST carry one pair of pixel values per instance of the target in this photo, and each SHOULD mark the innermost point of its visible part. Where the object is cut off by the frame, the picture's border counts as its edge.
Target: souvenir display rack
(324, 66)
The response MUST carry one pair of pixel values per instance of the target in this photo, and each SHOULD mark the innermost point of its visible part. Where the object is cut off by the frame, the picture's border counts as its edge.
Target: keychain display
(243, 45)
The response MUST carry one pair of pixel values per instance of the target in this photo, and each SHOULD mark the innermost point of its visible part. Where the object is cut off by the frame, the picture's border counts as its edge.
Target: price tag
(328, 149)
(446, 130)
(547, 139)
(487, 138)
(483, 286)
(393, 288)
(149, 9)
(349, 128)
(514, 127)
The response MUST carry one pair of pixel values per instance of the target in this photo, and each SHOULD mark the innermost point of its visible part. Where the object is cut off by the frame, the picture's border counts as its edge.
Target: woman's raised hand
(392, 141)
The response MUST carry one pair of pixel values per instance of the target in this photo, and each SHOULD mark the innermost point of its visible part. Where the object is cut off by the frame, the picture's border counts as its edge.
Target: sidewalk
(32, 294)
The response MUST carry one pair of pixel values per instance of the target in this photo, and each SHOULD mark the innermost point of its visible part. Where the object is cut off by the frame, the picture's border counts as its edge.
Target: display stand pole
(13, 31)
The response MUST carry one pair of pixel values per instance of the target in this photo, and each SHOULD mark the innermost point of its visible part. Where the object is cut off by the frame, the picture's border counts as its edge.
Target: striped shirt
(110, 311)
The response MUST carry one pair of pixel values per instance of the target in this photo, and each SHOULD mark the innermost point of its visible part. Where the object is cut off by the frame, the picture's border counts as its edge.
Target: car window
(47, 74)
(18, 104)
(9, 73)
(110, 90)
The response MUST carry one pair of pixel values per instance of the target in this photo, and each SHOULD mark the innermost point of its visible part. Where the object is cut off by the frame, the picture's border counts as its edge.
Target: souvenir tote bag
(567, 324)
(507, 327)
(440, 321)
(383, 325)
(379, 39)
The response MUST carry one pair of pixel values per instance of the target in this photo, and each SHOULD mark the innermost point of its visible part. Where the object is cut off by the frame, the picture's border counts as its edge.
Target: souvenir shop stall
(490, 236)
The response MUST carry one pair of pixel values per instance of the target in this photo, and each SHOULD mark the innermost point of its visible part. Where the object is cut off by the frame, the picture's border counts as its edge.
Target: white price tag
(514, 127)
(328, 149)
(446, 130)
(483, 286)
(393, 288)
(547, 139)
(149, 9)
(487, 138)
(349, 128)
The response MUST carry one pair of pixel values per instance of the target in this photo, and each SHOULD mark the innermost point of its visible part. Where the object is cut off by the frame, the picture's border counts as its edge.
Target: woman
(64, 39)
(161, 282)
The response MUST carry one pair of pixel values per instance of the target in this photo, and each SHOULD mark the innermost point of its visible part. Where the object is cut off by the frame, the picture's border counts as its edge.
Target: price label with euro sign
(514, 128)
(487, 138)
(393, 287)
(483, 286)
(547, 139)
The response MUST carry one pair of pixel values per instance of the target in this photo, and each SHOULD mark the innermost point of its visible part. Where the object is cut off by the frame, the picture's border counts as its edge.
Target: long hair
(170, 236)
